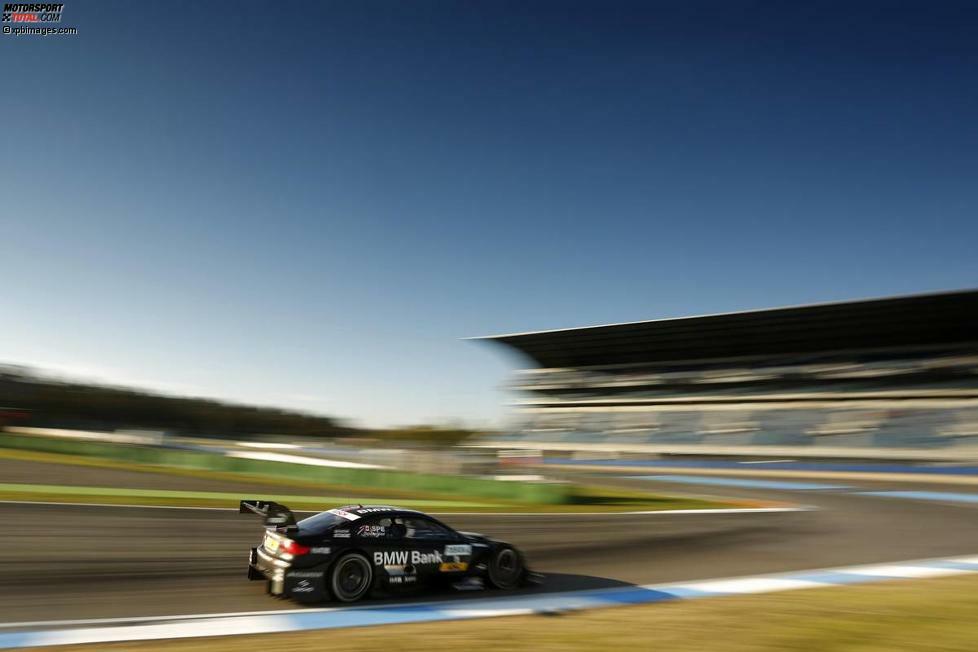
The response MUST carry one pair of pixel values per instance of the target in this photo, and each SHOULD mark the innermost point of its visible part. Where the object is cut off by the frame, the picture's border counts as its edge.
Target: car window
(380, 528)
(423, 529)
(318, 524)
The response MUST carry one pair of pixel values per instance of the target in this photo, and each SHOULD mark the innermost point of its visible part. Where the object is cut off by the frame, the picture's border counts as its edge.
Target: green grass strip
(219, 496)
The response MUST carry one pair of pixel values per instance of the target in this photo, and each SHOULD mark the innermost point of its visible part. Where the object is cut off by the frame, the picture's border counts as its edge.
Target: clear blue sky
(308, 204)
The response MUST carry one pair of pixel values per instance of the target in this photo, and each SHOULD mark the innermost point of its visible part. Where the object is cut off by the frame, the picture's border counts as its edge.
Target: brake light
(290, 547)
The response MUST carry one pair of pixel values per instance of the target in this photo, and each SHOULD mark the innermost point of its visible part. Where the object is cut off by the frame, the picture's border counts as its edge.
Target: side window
(377, 528)
(423, 529)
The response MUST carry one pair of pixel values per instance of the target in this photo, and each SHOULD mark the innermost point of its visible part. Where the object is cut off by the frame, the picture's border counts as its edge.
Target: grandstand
(893, 377)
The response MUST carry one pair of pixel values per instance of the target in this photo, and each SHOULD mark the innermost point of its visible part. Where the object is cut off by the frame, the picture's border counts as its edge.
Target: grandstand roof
(918, 321)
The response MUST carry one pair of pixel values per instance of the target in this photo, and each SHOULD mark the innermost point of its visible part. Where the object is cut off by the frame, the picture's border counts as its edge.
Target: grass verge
(316, 496)
(938, 614)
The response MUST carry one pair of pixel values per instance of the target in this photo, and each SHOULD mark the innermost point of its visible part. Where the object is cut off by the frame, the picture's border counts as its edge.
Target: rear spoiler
(276, 516)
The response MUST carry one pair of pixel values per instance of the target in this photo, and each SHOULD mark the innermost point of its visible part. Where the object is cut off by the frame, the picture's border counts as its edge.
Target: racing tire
(351, 577)
(505, 569)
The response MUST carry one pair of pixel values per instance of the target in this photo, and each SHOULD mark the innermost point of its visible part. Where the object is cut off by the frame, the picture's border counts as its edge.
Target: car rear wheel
(506, 569)
(351, 577)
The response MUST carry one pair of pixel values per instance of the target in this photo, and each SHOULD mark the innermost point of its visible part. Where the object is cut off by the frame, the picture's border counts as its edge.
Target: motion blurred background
(544, 268)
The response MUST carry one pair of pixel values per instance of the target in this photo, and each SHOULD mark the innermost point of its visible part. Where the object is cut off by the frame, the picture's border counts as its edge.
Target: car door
(436, 550)
(380, 539)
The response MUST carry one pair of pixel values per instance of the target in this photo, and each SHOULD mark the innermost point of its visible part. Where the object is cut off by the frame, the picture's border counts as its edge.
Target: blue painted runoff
(741, 482)
(942, 496)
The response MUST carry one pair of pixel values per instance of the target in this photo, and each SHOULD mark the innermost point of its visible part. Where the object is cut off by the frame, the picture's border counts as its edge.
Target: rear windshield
(318, 524)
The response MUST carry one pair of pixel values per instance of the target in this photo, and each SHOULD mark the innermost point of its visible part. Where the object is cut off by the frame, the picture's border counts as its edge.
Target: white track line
(661, 512)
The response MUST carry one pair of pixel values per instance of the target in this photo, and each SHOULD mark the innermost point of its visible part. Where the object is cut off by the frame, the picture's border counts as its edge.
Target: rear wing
(276, 516)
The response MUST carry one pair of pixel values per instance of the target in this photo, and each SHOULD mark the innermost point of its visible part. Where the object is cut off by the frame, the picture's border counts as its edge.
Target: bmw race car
(347, 552)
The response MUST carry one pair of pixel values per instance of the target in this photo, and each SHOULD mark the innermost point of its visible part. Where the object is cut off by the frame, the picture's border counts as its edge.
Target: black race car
(345, 553)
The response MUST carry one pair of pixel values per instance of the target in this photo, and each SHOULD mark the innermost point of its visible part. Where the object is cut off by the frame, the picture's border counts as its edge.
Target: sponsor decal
(418, 557)
(393, 558)
(372, 531)
(453, 566)
(402, 579)
(321, 551)
(374, 510)
(303, 587)
(404, 557)
(456, 550)
(306, 574)
(341, 534)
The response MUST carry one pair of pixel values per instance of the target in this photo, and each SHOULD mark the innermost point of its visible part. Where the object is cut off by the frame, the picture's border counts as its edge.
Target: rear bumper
(304, 585)
(261, 565)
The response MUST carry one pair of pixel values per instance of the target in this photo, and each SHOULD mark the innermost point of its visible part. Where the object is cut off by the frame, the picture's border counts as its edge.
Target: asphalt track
(72, 562)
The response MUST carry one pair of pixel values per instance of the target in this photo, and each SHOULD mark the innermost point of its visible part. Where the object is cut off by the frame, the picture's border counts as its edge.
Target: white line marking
(135, 620)
(216, 627)
(749, 585)
(732, 510)
(903, 571)
(42, 502)
(661, 512)
(306, 461)
(487, 613)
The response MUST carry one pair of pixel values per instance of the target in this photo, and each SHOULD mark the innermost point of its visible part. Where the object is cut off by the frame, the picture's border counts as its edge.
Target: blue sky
(309, 204)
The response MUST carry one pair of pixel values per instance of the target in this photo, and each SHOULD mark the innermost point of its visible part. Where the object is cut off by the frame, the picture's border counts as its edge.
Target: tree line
(36, 401)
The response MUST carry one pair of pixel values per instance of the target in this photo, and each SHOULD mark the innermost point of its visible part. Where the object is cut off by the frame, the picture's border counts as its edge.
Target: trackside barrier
(525, 492)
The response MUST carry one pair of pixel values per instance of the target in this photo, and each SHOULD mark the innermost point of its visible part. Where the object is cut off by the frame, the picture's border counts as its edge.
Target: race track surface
(66, 562)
